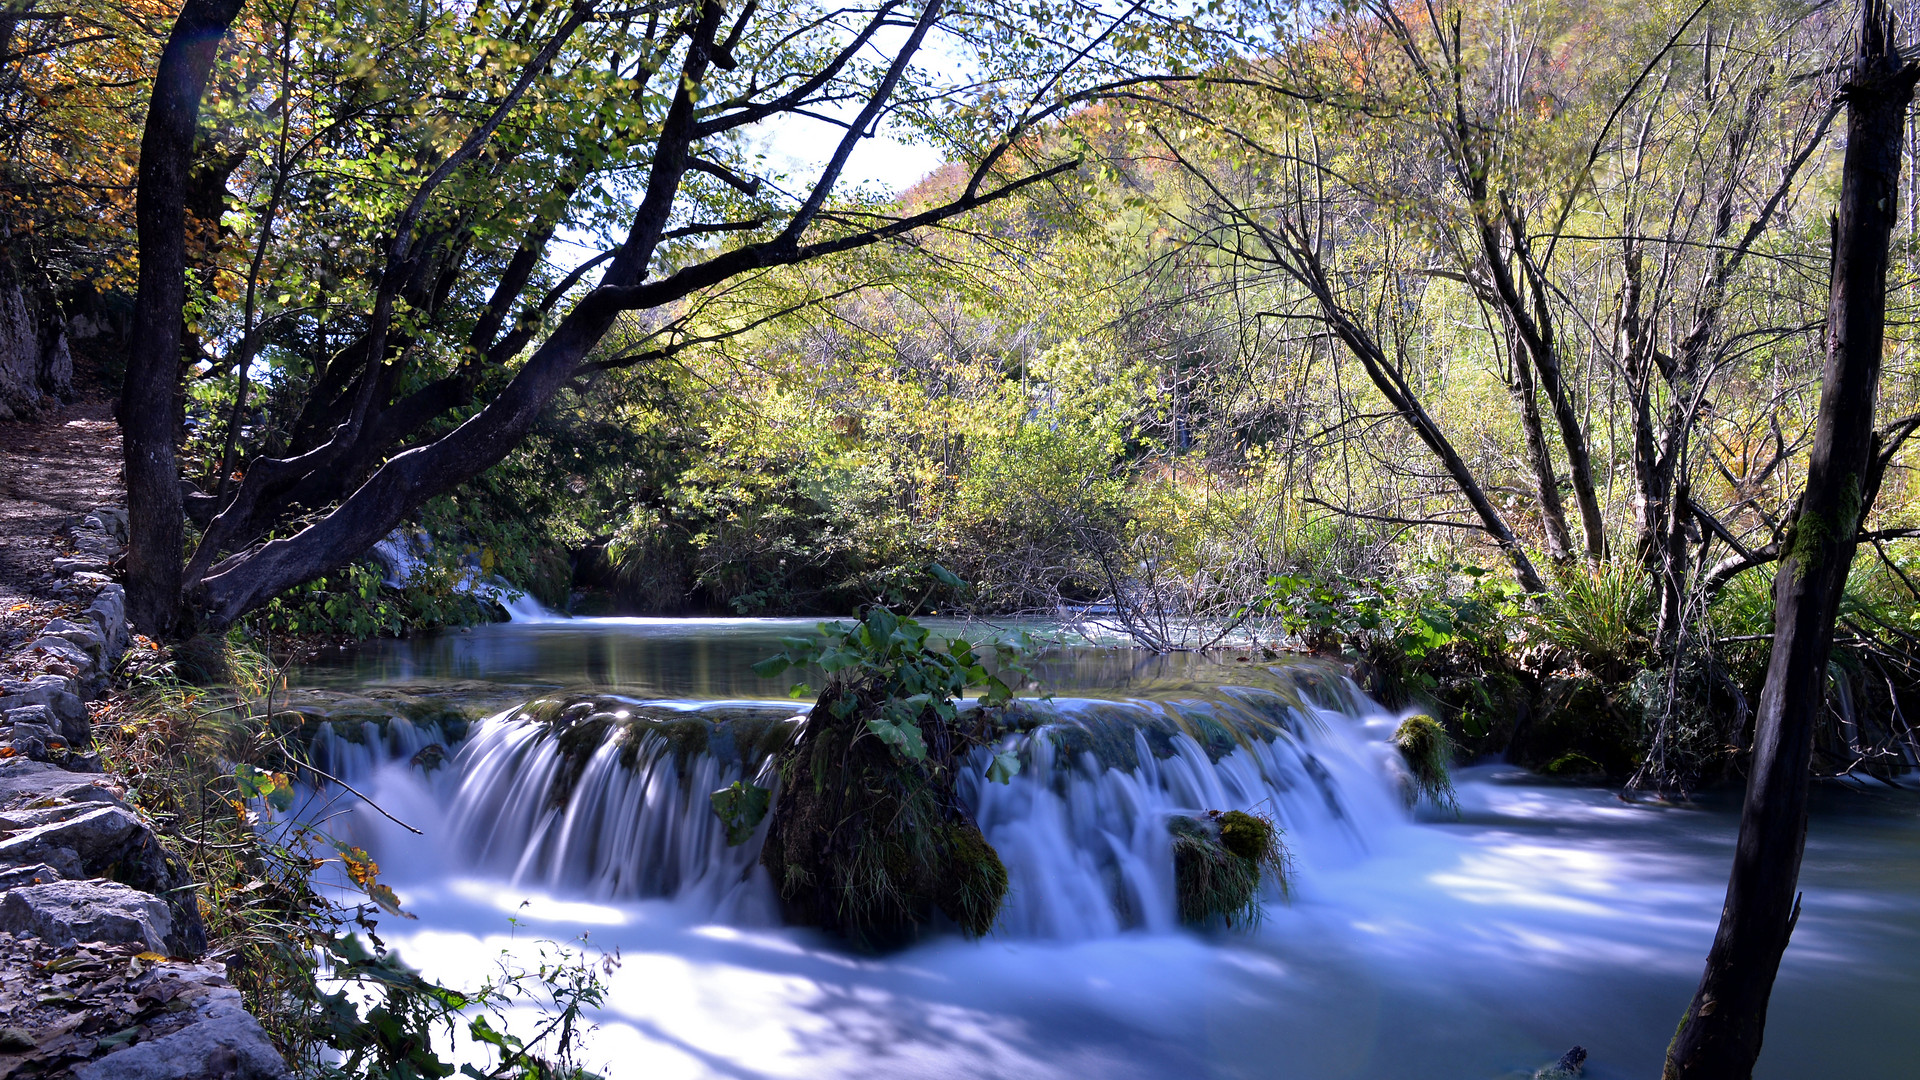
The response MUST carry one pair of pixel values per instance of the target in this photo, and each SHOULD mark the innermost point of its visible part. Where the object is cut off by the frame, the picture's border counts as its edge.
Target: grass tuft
(1428, 752)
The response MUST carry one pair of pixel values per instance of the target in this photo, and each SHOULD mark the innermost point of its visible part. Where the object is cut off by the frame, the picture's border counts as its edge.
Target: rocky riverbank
(102, 967)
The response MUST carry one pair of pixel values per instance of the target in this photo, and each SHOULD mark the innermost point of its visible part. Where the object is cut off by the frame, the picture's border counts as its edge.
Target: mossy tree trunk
(1721, 1033)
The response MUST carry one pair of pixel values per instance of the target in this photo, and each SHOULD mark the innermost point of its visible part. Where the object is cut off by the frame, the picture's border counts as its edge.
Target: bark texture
(1721, 1033)
(149, 398)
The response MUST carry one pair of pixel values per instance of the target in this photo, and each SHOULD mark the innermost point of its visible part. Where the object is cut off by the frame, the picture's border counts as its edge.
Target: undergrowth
(292, 912)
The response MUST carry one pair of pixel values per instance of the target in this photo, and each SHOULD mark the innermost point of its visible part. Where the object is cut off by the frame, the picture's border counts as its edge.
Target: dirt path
(52, 471)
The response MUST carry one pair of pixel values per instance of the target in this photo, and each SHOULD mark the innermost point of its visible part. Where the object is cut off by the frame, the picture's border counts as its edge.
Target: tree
(430, 323)
(1721, 1033)
(149, 399)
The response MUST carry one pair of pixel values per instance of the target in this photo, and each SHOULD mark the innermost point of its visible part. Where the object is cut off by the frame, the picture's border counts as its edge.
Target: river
(1416, 943)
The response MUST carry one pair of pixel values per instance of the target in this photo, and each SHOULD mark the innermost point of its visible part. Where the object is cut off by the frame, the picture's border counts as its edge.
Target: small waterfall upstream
(404, 553)
(602, 796)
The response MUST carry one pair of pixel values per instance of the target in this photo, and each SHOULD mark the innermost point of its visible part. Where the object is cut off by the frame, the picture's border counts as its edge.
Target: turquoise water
(1415, 944)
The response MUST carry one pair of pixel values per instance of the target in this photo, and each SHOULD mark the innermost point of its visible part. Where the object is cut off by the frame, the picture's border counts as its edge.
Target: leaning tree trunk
(149, 398)
(1720, 1035)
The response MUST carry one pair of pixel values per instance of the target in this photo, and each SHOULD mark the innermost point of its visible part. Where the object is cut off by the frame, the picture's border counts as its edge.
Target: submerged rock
(1571, 1064)
(579, 725)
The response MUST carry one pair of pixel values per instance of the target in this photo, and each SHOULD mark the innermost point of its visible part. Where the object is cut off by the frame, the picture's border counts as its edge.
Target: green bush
(868, 835)
(1602, 612)
(354, 602)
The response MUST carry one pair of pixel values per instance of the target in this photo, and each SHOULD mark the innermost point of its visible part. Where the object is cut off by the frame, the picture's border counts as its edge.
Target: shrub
(215, 770)
(1601, 612)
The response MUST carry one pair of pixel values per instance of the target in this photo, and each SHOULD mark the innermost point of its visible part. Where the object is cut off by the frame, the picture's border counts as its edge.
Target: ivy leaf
(902, 737)
(741, 807)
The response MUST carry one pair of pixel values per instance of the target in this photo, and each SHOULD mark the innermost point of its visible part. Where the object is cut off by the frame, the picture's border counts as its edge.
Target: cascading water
(402, 554)
(1412, 945)
(607, 797)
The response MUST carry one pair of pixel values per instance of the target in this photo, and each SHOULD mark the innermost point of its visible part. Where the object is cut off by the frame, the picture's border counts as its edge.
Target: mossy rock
(868, 845)
(1579, 721)
(1428, 753)
(735, 736)
(1219, 859)
(1111, 732)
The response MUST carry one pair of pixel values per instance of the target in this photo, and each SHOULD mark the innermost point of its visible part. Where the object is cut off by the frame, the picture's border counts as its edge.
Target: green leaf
(945, 576)
(771, 666)
(253, 782)
(741, 807)
(904, 738)
(1005, 766)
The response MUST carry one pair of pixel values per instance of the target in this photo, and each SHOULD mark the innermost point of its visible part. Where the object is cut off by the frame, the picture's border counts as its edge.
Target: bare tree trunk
(1553, 513)
(149, 398)
(1721, 1034)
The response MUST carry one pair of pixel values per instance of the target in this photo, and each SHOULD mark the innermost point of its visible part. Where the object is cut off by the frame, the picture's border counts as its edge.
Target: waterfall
(607, 797)
(351, 750)
(403, 552)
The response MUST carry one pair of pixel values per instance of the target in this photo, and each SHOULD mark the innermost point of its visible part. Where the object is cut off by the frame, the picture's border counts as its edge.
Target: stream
(1414, 943)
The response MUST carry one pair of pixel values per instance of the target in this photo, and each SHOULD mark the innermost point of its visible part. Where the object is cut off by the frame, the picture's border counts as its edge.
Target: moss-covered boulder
(868, 844)
(1428, 754)
(1581, 727)
(1219, 859)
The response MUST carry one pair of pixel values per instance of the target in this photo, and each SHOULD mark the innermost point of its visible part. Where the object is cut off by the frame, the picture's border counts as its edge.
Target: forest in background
(1479, 344)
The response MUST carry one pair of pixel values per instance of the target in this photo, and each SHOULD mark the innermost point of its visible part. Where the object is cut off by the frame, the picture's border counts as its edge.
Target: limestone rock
(87, 637)
(65, 912)
(36, 742)
(20, 394)
(85, 667)
(25, 784)
(37, 722)
(112, 841)
(65, 565)
(13, 877)
(112, 521)
(80, 846)
(56, 366)
(57, 694)
(109, 614)
(220, 1041)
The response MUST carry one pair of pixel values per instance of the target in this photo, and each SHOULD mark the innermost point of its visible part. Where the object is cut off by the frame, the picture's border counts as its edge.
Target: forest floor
(52, 472)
